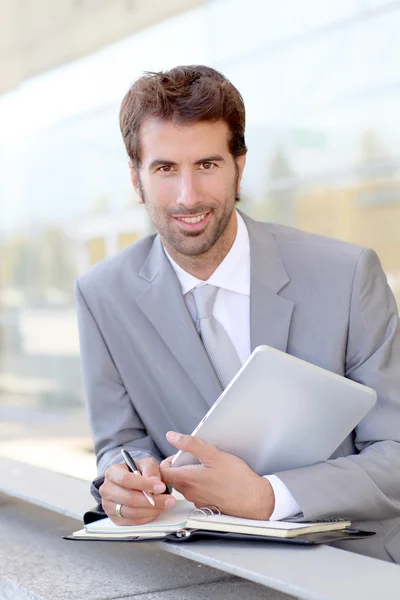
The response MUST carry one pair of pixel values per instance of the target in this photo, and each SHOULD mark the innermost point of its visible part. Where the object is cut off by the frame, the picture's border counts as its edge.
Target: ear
(135, 181)
(241, 162)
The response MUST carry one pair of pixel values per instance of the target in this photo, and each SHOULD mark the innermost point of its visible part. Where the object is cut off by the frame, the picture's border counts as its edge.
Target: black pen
(132, 466)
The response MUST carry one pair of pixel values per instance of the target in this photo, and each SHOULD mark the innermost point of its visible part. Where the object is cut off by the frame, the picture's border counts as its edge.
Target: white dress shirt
(232, 310)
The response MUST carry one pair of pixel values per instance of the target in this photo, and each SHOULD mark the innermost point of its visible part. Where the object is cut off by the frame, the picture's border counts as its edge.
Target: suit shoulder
(111, 269)
(320, 246)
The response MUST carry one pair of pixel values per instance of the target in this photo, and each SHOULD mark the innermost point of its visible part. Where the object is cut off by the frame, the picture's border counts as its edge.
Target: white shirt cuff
(285, 505)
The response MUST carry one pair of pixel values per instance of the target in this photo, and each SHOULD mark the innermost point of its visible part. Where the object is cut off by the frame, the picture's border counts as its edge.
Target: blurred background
(321, 84)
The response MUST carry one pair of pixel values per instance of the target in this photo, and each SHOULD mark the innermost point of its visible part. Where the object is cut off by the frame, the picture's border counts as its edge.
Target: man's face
(189, 182)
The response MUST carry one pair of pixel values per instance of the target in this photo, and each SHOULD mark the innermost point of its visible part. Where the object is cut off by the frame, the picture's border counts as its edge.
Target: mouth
(193, 223)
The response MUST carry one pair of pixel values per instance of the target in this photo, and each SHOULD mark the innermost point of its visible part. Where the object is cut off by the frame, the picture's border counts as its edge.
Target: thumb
(205, 453)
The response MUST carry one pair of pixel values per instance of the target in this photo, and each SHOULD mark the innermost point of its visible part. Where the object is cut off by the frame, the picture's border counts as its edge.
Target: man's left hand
(221, 480)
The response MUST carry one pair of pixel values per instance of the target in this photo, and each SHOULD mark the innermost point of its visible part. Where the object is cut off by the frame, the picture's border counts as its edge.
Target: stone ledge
(37, 564)
(317, 573)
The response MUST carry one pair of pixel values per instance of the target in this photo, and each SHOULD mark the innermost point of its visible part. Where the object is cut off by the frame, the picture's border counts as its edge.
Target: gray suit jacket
(145, 369)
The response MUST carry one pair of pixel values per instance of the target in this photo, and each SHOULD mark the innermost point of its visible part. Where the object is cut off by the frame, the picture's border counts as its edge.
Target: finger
(132, 521)
(135, 499)
(120, 475)
(131, 516)
(182, 476)
(166, 462)
(204, 452)
(162, 501)
(129, 512)
(141, 512)
(150, 468)
(136, 512)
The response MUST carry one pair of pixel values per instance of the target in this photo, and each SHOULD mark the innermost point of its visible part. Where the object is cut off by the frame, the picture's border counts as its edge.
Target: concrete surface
(37, 564)
(313, 573)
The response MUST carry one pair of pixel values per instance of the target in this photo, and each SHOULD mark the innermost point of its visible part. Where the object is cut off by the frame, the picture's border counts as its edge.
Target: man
(151, 372)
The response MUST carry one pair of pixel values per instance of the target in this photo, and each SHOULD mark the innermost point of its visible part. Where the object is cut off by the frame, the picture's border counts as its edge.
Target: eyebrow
(158, 162)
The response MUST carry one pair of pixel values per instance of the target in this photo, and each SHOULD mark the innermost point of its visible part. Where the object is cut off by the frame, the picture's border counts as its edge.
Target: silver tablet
(280, 412)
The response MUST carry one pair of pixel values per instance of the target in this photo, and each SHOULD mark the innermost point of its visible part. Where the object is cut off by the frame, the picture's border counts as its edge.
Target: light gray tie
(216, 341)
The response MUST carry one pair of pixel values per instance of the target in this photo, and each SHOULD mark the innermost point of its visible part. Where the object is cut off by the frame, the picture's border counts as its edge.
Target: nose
(188, 194)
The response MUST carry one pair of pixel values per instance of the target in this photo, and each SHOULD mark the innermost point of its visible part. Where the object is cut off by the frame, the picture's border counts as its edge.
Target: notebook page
(237, 521)
(169, 520)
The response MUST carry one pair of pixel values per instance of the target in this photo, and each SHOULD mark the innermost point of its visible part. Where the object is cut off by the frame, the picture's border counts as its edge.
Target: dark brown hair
(185, 94)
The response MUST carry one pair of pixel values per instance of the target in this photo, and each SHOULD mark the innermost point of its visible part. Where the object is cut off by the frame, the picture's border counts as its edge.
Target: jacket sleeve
(365, 485)
(112, 417)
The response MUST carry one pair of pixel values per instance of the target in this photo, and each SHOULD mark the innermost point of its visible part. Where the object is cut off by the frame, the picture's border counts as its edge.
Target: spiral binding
(205, 511)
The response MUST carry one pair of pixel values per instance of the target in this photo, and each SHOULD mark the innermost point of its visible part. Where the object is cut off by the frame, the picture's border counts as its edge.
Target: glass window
(96, 250)
(126, 239)
(321, 83)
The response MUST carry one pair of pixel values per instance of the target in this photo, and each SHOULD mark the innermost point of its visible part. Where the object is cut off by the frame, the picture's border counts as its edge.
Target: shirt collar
(232, 274)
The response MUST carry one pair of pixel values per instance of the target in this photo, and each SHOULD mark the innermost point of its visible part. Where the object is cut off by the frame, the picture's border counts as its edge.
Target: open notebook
(184, 518)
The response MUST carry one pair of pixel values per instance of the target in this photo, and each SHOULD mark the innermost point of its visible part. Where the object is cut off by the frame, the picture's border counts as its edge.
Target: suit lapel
(164, 306)
(270, 314)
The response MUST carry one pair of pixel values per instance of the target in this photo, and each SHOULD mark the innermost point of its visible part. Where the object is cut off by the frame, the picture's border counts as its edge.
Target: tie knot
(204, 297)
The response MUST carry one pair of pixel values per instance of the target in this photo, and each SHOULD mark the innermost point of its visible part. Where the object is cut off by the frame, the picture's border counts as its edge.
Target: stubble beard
(193, 244)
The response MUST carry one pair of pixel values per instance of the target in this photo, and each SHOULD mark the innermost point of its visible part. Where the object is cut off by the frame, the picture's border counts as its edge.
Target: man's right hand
(121, 486)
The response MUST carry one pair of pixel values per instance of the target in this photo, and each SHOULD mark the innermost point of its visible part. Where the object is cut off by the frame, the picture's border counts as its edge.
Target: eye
(165, 168)
(207, 166)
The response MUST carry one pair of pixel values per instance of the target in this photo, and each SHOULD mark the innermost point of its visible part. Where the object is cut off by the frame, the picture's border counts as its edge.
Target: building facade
(321, 84)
